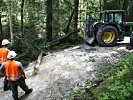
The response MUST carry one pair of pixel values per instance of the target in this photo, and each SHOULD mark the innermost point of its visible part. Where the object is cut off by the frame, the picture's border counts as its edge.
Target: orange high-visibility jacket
(3, 54)
(12, 70)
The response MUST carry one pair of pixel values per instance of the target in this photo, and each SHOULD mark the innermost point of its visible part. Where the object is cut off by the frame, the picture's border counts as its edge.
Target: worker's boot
(15, 97)
(28, 91)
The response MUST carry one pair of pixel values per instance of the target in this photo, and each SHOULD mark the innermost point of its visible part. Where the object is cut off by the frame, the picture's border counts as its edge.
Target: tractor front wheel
(107, 36)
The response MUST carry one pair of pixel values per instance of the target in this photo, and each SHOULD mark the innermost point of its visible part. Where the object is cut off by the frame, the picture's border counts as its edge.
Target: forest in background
(34, 25)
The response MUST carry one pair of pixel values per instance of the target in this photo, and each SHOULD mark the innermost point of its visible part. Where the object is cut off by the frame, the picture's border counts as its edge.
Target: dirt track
(68, 69)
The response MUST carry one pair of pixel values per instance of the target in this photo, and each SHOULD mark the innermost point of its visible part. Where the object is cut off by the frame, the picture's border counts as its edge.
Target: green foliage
(117, 90)
(34, 24)
(33, 38)
(121, 87)
(117, 84)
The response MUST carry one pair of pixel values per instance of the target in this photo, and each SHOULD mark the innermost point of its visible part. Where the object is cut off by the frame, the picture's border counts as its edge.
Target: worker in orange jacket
(3, 58)
(15, 75)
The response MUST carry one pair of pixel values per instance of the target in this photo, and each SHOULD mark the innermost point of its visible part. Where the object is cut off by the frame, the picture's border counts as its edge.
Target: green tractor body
(110, 28)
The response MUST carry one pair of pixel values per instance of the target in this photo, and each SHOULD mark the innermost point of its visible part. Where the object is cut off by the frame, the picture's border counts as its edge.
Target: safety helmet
(11, 54)
(5, 42)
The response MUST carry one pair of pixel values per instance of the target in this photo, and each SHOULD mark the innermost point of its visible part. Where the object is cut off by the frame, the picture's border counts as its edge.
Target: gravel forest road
(67, 69)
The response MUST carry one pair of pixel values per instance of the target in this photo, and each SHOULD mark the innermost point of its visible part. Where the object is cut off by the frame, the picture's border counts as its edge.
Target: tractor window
(118, 18)
(110, 17)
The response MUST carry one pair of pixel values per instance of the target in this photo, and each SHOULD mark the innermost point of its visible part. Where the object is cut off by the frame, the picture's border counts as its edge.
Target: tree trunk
(76, 4)
(69, 22)
(22, 16)
(130, 10)
(1, 35)
(125, 4)
(36, 68)
(104, 3)
(100, 4)
(49, 20)
(10, 20)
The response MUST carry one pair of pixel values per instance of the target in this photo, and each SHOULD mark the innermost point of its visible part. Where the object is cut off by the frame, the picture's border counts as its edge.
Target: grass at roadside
(115, 83)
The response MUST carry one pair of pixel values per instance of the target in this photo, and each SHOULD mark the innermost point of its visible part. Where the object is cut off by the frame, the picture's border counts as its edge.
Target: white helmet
(5, 42)
(11, 54)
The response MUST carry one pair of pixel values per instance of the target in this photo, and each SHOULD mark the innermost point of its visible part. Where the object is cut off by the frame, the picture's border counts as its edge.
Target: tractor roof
(113, 11)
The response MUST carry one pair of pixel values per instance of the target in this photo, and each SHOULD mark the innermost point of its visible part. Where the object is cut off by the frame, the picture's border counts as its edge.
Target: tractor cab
(112, 16)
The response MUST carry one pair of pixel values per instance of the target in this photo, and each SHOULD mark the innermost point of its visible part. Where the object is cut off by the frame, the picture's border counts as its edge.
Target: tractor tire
(131, 38)
(107, 36)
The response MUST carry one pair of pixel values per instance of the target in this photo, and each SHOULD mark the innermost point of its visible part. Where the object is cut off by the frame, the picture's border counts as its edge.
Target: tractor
(110, 28)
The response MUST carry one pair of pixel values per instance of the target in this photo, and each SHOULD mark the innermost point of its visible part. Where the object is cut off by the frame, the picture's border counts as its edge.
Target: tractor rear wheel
(107, 36)
(131, 38)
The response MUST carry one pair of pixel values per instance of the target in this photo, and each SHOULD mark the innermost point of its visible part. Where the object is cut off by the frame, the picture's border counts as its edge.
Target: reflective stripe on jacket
(3, 54)
(12, 70)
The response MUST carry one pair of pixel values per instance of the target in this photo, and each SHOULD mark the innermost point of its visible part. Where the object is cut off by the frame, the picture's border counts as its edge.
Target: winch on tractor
(110, 28)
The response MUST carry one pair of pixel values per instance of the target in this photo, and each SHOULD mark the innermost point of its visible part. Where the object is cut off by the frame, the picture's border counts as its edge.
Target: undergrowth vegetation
(31, 50)
(115, 83)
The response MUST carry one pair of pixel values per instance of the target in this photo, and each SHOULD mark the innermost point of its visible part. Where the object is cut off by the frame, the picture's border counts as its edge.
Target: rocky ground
(62, 71)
